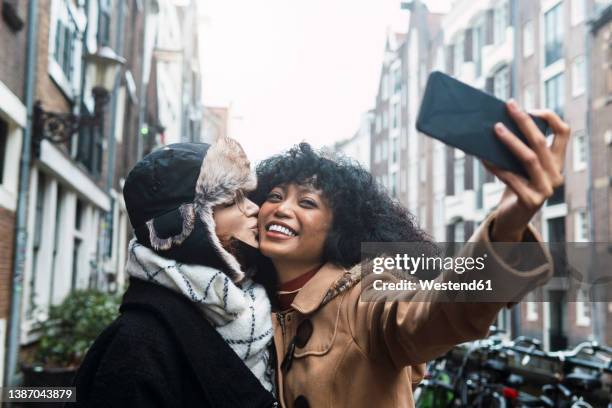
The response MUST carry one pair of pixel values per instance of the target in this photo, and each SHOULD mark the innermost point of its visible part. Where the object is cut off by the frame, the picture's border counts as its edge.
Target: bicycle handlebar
(564, 358)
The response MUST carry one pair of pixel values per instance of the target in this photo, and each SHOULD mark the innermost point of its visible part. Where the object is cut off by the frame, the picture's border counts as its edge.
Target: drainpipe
(111, 139)
(143, 82)
(598, 312)
(21, 237)
(515, 312)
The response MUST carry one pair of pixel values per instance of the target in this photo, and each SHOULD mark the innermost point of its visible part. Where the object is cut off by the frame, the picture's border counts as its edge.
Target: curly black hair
(362, 210)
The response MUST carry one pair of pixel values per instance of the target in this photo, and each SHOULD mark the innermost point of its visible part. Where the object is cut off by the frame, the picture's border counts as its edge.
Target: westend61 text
(475, 285)
(413, 264)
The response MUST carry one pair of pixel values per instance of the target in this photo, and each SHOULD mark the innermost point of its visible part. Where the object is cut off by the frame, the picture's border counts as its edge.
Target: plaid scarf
(241, 314)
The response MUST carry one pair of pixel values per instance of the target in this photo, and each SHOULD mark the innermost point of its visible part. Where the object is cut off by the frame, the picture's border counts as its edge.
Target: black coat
(161, 352)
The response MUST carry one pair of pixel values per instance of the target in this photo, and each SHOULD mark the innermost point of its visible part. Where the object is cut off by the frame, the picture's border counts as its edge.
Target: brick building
(77, 227)
(600, 88)
(538, 53)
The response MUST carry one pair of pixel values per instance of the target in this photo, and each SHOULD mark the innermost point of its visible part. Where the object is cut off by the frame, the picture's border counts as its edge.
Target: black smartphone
(463, 117)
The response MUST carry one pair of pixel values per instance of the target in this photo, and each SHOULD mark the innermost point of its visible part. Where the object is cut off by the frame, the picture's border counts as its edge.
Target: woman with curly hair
(334, 350)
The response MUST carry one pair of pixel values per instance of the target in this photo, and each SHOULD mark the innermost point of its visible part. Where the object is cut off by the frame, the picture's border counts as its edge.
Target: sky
(295, 71)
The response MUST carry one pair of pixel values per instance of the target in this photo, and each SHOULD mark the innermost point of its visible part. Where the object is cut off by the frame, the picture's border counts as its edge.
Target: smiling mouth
(280, 229)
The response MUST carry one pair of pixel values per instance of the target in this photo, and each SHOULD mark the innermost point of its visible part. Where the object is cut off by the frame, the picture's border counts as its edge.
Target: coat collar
(313, 293)
(225, 379)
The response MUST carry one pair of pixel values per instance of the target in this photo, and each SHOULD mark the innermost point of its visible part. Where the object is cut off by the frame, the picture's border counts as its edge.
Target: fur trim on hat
(225, 170)
(188, 215)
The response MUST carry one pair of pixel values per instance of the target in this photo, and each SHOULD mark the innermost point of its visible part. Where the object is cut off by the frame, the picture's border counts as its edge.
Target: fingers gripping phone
(464, 117)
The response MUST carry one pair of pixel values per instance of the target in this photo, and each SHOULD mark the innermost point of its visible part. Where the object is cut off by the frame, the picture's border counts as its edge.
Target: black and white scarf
(241, 314)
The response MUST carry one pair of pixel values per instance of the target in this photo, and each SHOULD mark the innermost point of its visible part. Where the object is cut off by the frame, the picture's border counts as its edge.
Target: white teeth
(282, 230)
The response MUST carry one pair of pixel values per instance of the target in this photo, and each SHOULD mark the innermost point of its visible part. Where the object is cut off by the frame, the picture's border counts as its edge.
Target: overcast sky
(295, 70)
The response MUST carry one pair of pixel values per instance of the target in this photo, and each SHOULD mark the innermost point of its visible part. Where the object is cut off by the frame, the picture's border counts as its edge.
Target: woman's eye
(231, 203)
(309, 203)
(273, 197)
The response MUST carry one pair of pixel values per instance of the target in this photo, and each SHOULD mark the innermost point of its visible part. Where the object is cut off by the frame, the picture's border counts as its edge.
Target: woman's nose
(283, 209)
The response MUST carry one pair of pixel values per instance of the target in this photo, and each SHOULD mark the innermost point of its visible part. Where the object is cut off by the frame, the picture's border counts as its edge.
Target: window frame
(553, 34)
(559, 93)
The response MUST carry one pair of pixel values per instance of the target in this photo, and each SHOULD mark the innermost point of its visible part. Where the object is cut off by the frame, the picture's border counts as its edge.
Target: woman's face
(293, 224)
(238, 220)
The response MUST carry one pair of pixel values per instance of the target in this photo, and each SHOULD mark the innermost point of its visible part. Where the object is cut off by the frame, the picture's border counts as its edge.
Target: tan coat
(365, 354)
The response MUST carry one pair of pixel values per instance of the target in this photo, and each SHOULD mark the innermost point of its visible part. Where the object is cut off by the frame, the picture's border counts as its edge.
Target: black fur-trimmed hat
(170, 195)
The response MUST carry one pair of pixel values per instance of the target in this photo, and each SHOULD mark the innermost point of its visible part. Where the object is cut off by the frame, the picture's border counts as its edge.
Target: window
(384, 150)
(394, 184)
(501, 83)
(3, 142)
(77, 249)
(500, 22)
(577, 11)
(554, 90)
(459, 232)
(395, 115)
(558, 196)
(580, 151)
(578, 76)
(581, 226)
(459, 174)
(583, 308)
(385, 119)
(394, 150)
(423, 216)
(478, 39)
(528, 39)
(376, 153)
(458, 56)
(532, 311)
(385, 87)
(90, 149)
(397, 80)
(378, 123)
(104, 20)
(553, 35)
(529, 97)
(36, 242)
(65, 39)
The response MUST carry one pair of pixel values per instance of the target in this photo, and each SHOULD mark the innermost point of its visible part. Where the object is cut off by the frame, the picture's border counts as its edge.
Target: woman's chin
(272, 249)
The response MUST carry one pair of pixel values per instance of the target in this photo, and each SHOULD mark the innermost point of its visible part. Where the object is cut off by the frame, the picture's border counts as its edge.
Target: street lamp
(58, 127)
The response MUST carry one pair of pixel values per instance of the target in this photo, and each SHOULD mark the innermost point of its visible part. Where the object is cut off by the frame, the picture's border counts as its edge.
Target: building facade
(536, 52)
(600, 142)
(357, 147)
(77, 227)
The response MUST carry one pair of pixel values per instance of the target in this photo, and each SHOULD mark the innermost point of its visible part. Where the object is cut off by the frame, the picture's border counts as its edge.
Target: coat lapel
(312, 294)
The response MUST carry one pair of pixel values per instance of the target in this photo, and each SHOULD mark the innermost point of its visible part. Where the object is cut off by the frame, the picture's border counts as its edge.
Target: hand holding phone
(511, 143)
(463, 117)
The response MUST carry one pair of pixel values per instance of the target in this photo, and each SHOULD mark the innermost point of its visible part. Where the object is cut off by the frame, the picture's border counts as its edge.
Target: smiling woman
(335, 349)
(294, 223)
